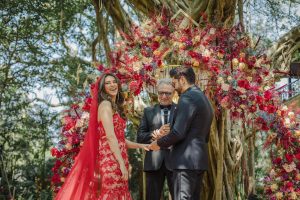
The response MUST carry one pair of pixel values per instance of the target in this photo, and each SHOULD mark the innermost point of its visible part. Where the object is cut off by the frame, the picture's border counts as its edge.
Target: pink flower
(135, 87)
(225, 102)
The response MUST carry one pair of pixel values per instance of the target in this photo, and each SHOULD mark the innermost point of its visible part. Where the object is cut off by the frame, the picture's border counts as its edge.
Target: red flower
(289, 157)
(297, 156)
(135, 87)
(251, 97)
(194, 54)
(289, 184)
(55, 179)
(277, 161)
(267, 95)
(148, 68)
(183, 39)
(54, 152)
(75, 106)
(100, 68)
(252, 108)
(244, 84)
(259, 99)
(271, 109)
(155, 45)
(215, 69)
(205, 59)
(87, 104)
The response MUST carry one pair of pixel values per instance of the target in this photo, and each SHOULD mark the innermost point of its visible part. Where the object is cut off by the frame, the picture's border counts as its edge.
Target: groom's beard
(179, 89)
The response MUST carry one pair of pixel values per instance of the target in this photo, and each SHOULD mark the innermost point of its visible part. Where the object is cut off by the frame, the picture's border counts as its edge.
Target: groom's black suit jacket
(151, 121)
(190, 132)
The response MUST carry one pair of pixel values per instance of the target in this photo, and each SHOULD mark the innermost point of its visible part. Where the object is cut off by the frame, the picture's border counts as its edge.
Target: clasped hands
(158, 133)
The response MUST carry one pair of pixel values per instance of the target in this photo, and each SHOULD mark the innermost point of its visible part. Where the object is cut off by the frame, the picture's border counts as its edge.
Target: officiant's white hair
(166, 81)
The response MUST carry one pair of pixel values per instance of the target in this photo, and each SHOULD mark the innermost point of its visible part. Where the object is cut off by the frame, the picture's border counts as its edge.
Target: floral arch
(238, 80)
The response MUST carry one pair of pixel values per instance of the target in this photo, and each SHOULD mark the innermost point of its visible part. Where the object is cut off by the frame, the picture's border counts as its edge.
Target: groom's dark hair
(187, 72)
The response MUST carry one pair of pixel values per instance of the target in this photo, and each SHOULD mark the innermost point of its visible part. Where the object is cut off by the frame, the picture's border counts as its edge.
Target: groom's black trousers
(187, 184)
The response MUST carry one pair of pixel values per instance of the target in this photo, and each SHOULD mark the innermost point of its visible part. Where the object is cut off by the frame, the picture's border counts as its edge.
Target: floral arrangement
(231, 73)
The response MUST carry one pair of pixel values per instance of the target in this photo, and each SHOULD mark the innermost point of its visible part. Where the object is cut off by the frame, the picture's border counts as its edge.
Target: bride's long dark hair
(117, 106)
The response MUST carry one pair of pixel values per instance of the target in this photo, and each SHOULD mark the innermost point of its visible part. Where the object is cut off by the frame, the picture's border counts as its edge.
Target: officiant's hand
(153, 146)
(158, 133)
(164, 130)
(155, 135)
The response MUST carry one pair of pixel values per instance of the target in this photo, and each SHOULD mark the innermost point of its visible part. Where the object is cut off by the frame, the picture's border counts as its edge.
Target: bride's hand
(144, 146)
(124, 171)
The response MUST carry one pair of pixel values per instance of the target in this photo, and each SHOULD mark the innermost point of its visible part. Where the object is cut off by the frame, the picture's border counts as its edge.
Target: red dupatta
(82, 182)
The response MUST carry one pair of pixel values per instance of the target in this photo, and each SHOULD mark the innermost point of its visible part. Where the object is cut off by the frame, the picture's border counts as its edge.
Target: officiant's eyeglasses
(165, 93)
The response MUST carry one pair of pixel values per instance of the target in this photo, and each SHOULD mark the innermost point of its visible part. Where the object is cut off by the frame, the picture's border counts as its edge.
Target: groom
(188, 136)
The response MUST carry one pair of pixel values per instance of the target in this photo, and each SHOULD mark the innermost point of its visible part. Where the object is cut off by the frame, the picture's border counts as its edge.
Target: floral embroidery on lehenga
(113, 187)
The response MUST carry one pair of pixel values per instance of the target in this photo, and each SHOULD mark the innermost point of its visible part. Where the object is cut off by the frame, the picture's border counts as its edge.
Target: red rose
(54, 152)
(55, 179)
(267, 95)
(289, 157)
(277, 161)
(155, 45)
(148, 68)
(205, 59)
(215, 69)
(297, 156)
(289, 184)
(194, 54)
(244, 84)
(100, 68)
(259, 99)
(252, 108)
(271, 109)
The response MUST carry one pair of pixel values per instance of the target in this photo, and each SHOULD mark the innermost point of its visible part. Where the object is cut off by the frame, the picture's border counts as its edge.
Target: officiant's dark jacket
(190, 132)
(151, 121)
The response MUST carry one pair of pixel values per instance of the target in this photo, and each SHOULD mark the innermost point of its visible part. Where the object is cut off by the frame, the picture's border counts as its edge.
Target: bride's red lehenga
(113, 187)
(95, 157)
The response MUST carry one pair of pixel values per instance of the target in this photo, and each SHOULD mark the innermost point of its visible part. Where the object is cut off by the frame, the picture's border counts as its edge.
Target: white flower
(289, 168)
(212, 31)
(291, 114)
(285, 108)
(274, 187)
(225, 87)
(220, 80)
(279, 195)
